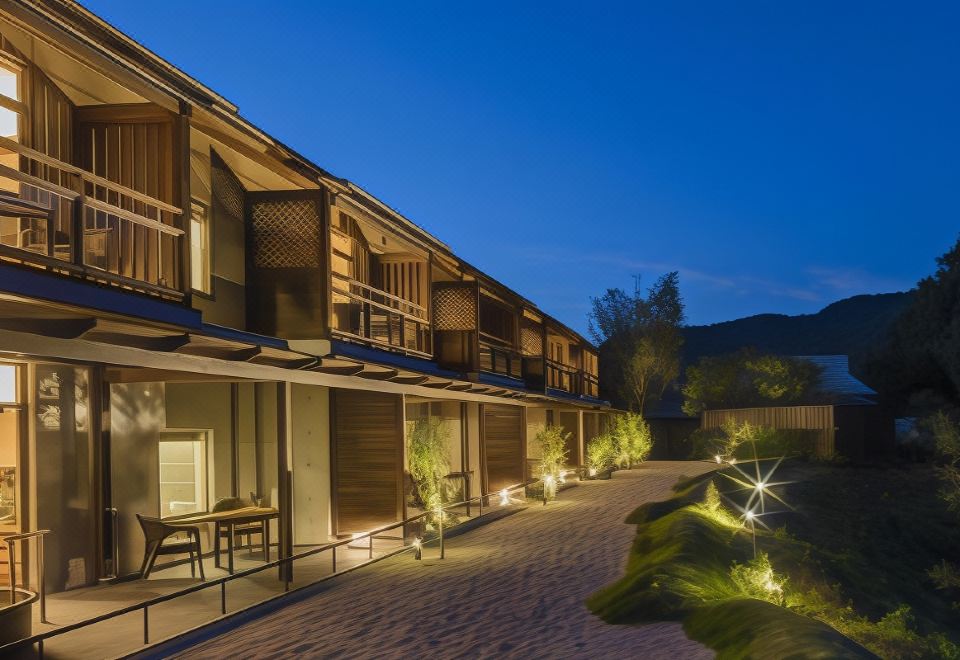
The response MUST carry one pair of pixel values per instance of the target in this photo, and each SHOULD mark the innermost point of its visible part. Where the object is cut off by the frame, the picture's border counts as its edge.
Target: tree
(640, 340)
(921, 355)
(744, 379)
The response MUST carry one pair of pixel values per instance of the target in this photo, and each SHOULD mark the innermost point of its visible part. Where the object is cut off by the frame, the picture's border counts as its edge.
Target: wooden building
(845, 419)
(190, 311)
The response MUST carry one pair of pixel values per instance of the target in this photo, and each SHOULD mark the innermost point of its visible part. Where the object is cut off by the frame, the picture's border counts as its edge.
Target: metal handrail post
(41, 586)
(11, 560)
(440, 525)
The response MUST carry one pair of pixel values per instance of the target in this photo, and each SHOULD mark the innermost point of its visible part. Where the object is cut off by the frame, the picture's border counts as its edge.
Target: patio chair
(156, 534)
(239, 531)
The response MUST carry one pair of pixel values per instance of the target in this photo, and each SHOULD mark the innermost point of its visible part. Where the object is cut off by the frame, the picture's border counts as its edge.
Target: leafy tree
(640, 340)
(922, 355)
(744, 379)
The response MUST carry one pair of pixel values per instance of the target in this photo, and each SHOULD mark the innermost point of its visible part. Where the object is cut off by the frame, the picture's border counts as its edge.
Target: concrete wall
(206, 406)
(310, 429)
(473, 447)
(136, 418)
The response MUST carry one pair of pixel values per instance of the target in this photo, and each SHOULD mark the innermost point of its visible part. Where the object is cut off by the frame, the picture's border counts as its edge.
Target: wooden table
(230, 519)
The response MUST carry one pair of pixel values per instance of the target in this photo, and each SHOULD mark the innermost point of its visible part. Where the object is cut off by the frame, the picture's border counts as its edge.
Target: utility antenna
(636, 285)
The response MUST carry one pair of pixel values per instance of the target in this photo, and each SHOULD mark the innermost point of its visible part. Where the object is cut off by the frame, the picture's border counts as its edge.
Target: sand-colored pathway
(514, 588)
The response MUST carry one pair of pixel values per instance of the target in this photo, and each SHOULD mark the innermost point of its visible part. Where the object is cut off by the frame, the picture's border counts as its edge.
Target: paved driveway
(513, 588)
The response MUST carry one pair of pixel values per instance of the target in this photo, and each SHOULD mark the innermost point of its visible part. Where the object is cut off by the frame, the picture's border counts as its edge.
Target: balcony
(572, 380)
(64, 219)
(498, 356)
(365, 312)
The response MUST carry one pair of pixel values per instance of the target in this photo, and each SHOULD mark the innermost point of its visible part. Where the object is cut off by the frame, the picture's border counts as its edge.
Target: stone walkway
(514, 588)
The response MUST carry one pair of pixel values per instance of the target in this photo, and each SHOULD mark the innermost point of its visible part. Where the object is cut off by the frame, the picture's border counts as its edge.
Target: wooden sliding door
(503, 446)
(367, 453)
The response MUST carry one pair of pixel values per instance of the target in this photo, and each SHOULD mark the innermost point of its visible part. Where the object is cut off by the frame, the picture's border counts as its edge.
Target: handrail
(374, 290)
(497, 342)
(222, 581)
(89, 177)
(12, 563)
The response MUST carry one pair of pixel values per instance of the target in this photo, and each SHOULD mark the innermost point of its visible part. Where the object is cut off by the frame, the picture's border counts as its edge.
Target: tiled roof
(837, 382)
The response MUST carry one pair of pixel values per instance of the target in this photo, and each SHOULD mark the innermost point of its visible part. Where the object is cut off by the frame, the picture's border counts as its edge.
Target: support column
(284, 480)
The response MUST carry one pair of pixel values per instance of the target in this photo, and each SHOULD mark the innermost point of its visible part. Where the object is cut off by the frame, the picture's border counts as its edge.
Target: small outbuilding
(846, 416)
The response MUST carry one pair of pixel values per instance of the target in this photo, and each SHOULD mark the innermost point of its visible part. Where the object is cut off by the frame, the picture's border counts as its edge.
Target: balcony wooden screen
(455, 319)
(503, 446)
(367, 448)
(285, 265)
(132, 146)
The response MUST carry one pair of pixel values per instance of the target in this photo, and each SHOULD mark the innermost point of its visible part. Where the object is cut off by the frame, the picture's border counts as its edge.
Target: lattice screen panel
(531, 340)
(286, 234)
(455, 307)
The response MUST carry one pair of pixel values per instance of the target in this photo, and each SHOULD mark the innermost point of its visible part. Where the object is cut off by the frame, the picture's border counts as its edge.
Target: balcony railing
(571, 379)
(498, 356)
(365, 312)
(65, 219)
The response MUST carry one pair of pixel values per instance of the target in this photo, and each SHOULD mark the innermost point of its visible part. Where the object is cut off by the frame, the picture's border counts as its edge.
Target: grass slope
(679, 569)
(854, 553)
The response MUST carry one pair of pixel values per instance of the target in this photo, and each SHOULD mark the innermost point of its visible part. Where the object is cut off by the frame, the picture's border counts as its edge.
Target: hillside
(852, 326)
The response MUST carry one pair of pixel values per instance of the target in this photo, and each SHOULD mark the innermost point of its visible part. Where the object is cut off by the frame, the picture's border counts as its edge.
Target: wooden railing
(60, 217)
(499, 356)
(572, 379)
(367, 313)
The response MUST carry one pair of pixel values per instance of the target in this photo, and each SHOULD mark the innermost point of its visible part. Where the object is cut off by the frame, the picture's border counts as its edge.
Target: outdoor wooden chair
(239, 531)
(156, 534)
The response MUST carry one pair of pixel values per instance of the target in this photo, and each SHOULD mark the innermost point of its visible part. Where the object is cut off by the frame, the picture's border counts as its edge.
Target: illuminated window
(199, 248)
(183, 473)
(8, 383)
(10, 106)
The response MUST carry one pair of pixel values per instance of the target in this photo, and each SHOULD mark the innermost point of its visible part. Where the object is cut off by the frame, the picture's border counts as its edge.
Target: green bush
(553, 450)
(601, 453)
(742, 441)
(632, 439)
(428, 459)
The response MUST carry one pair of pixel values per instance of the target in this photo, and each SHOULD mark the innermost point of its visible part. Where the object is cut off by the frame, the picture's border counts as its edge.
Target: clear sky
(779, 155)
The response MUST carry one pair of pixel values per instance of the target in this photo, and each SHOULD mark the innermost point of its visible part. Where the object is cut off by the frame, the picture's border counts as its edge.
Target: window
(10, 104)
(8, 383)
(199, 248)
(183, 473)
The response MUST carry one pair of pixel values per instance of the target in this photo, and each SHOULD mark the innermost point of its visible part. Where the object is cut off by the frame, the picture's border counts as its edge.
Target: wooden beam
(380, 375)
(58, 328)
(163, 344)
(410, 380)
(244, 354)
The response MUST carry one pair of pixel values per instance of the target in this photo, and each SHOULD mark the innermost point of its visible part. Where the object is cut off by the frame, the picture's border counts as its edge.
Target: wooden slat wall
(503, 440)
(815, 418)
(367, 439)
(405, 279)
(51, 126)
(131, 147)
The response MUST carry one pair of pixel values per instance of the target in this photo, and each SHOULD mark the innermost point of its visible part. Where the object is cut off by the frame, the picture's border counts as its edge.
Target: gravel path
(513, 588)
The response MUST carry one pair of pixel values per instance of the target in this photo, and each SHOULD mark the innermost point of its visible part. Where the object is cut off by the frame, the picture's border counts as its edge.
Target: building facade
(192, 311)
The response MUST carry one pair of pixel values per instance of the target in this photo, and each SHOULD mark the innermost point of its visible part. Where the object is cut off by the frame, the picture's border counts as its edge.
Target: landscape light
(749, 515)
(418, 548)
(719, 458)
(593, 472)
(504, 497)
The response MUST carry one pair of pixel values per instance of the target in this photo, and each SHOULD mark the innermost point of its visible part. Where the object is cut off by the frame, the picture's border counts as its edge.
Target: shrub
(428, 459)
(757, 579)
(553, 450)
(632, 439)
(746, 441)
(601, 452)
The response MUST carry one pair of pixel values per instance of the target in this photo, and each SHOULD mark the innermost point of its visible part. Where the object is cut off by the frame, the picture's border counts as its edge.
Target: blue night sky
(779, 155)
